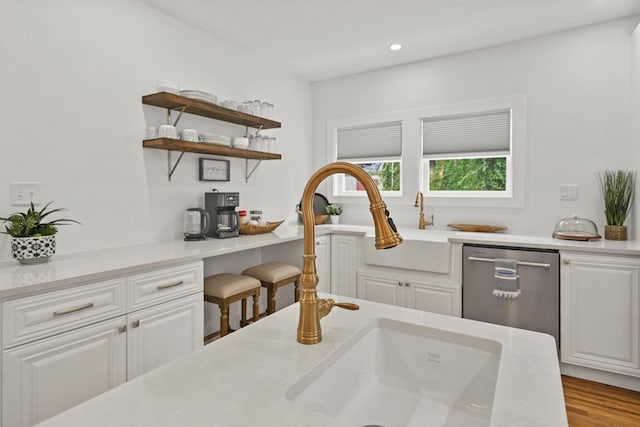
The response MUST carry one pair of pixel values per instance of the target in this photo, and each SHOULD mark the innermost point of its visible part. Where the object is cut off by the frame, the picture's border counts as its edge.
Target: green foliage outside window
(391, 176)
(479, 174)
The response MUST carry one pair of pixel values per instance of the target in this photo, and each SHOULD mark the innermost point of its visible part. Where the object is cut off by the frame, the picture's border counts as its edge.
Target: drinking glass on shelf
(266, 110)
(256, 143)
(257, 107)
(271, 144)
(246, 107)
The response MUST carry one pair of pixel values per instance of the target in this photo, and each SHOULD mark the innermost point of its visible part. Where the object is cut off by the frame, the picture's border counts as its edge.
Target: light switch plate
(569, 192)
(23, 193)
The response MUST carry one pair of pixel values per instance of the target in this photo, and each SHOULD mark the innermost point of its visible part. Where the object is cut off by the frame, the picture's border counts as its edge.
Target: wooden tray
(478, 227)
(582, 237)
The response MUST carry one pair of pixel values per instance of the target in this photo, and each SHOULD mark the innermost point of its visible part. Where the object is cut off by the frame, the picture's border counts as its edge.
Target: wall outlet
(23, 193)
(569, 192)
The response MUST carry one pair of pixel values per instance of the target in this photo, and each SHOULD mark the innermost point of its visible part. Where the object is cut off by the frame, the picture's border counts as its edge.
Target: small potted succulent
(334, 210)
(33, 240)
(618, 189)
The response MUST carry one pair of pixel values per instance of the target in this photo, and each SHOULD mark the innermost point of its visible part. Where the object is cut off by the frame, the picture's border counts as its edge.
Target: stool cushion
(225, 285)
(272, 271)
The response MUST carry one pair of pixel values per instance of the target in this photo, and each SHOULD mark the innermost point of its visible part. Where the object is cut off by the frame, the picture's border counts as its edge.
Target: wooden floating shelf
(212, 149)
(207, 109)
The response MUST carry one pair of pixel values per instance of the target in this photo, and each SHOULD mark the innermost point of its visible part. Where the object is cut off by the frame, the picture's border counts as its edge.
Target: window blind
(469, 133)
(380, 140)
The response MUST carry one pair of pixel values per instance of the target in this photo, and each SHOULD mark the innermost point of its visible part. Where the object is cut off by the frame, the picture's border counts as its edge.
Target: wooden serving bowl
(321, 219)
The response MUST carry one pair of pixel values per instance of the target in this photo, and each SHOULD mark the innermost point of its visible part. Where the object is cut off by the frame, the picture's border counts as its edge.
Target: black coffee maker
(222, 210)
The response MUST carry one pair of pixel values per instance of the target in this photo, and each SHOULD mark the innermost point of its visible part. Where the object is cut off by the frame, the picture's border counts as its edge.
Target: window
(376, 148)
(468, 155)
(464, 154)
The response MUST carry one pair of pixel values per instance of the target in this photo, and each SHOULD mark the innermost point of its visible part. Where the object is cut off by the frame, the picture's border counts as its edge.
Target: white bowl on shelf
(212, 138)
(200, 95)
(240, 142)
(168, 86)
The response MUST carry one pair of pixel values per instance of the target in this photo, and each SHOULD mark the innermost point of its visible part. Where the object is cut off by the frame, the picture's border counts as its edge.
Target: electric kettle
(196, 224)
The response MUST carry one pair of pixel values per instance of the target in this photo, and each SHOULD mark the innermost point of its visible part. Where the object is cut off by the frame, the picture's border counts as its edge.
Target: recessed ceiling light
(395, 46)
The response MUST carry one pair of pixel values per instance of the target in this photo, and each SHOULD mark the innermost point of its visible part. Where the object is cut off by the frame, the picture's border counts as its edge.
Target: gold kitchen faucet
(312, 309)
(421, 222)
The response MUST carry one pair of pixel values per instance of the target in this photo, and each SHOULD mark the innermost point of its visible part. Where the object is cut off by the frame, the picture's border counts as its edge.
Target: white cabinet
(336, 264)
(433, 297)
(406, 289)
(323, 263)
(600, 312)
(344, 252)
(48, 376)
(39, 316)
(386, 290)
(66, 346)
(162, 333)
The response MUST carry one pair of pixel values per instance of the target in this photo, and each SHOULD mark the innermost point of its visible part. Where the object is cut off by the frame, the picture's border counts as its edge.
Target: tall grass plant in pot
(618, 190)
(34, 239)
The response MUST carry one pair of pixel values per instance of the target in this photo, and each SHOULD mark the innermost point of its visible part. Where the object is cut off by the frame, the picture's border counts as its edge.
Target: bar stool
(273, 275)
(226, 288)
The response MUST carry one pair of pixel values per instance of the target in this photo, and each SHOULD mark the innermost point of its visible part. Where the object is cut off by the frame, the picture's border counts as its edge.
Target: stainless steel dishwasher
(537, 307)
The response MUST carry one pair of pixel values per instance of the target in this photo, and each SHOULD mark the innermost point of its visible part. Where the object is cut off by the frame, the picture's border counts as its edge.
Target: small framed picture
(214, 170)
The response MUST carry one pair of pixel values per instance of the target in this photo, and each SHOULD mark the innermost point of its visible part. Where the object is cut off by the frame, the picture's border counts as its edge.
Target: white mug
(168, 131)
(152, 132)
(190, 135)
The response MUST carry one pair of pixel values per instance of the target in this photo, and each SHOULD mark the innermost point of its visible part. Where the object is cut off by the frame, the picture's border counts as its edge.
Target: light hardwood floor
(591, 404)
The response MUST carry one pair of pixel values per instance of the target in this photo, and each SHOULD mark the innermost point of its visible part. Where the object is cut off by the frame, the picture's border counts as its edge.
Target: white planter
(33, 250)
(335, 219)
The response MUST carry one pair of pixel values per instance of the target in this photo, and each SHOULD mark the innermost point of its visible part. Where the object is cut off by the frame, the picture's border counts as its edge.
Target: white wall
(577, 85)
(71, 76)
(635, 122)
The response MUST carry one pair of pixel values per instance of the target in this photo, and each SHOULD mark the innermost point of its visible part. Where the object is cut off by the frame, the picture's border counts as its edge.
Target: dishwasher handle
(529, 264)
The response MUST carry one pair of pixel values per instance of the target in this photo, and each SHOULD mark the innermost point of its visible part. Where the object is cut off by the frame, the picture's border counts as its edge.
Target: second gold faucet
(422, 223)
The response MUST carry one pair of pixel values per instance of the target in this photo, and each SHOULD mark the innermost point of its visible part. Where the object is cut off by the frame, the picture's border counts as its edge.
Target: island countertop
(241, 379)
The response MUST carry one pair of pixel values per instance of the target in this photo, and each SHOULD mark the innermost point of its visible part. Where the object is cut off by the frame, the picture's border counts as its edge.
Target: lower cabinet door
(46, 377)
(380, 289)
(408, 291)
(323, 263)
(162, 333)
(600, 312)
(433, 298)
(343, 265)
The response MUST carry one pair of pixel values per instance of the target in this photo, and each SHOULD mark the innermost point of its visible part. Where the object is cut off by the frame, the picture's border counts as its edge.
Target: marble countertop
(67, 269)
(241, 379)
(613, 247)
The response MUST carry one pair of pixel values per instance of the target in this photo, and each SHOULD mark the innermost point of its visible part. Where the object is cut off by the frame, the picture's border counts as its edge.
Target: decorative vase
(615, 232)
(335, 219)
(33, 250)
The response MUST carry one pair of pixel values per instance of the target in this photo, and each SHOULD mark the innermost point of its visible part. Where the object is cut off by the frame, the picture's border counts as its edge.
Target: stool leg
(243, 322)
(271, 296)
(256, 305)
(296, 295)
(224, 319)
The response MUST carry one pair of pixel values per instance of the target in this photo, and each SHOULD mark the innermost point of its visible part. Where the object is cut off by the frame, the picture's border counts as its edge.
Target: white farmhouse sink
(424, 250)
(392, 373)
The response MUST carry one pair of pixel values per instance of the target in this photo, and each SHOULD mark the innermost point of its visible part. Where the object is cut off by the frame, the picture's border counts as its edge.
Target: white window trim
(516, 161)
(412, 170)
(332, 150)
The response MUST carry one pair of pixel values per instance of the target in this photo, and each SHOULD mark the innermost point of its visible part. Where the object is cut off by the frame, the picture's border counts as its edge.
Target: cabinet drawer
(165, 284)
(39, 316)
